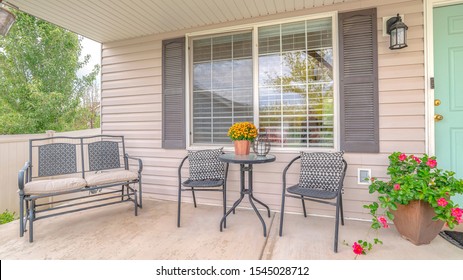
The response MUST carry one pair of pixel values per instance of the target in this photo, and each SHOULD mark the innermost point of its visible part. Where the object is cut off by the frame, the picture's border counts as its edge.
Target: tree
(88, 115)
(39, 86)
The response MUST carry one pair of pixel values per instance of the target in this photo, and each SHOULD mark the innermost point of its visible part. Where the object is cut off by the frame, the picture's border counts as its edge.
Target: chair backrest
(57, 159)
(205, 165)
(103, 155)
(322, 171)
(61, 155)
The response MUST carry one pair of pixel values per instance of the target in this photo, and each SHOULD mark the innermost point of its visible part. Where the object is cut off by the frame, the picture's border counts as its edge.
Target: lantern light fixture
(261, 145)
(398, 33)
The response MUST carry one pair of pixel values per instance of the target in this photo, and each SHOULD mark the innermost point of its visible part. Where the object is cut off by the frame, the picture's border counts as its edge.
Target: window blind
(296, 83)
(222, 86)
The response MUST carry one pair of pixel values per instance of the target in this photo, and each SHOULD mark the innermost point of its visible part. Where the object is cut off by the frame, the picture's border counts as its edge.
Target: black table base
(247, 191)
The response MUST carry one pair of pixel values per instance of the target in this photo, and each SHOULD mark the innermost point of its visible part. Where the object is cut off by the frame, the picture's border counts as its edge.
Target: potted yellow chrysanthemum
(242, 134)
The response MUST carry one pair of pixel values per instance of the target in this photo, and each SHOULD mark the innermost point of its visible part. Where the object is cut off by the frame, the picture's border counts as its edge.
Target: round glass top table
(246, 162)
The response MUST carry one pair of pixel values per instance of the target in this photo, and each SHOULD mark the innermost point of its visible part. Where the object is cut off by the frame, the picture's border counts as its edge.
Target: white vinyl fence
(14, 152)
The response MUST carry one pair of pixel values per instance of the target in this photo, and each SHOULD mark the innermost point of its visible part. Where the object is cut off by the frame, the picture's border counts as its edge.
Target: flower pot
(414, 222)
(242, 147)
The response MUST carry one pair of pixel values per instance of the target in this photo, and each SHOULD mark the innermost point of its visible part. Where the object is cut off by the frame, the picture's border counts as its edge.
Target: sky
(94, 50)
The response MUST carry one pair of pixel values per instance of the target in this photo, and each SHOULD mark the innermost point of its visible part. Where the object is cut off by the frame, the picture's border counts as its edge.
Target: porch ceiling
(109, 20)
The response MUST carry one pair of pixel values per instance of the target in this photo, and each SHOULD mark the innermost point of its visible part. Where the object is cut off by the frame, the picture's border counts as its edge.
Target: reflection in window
(296, 83)
(222, 86)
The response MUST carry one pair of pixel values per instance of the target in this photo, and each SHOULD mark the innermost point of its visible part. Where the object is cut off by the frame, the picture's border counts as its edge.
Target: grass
(6, 217)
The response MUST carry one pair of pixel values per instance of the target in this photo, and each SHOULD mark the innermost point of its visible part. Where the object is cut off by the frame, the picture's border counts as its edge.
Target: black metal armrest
(286, 170)
(140, 162)
(180, 171)
(23, 172)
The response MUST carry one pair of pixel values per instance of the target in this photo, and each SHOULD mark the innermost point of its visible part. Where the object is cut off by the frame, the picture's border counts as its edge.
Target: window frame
(255, 58)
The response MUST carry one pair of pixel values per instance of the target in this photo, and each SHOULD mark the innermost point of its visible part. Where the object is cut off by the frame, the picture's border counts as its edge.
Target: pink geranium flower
(357, 248)
(383, 221)
(431, 163)
(396, 187)
(417, 159)
(402, 157)
(457, 213)
(442, 202)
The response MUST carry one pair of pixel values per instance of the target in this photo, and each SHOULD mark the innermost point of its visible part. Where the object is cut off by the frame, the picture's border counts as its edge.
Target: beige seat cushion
(111, 177)
(54, 185)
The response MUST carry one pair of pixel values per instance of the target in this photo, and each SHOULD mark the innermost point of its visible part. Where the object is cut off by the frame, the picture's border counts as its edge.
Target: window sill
(228, 148)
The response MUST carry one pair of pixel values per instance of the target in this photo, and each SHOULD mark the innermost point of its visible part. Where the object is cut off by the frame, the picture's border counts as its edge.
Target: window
(286, 84)
(295, 84)
(222, 86)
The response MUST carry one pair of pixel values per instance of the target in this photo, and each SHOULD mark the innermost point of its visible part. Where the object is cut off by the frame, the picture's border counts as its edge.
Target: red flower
(402, 157)
(431, 163)
(358, 249)
(457, 213)
(442, 202)
(396, 187)
(418, 160)
(383, 221)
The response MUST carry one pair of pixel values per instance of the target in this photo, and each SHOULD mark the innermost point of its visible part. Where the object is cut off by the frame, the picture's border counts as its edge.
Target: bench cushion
(110, 177)
(53, 186)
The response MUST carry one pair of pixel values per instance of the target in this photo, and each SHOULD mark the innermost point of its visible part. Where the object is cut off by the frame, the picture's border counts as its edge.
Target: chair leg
(194, 197)
(342, 210)
(303, 206)
(21, 215)
(135, 201)
(179, 203)
(224, 190)
(140, 202)
(282, 213)
(31, 221)
(336, 226)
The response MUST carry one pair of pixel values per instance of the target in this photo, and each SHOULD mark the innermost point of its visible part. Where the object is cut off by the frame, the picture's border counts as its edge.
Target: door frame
(429, 5)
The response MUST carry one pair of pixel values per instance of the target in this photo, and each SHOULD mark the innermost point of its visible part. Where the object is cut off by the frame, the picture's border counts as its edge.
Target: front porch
(113, 233)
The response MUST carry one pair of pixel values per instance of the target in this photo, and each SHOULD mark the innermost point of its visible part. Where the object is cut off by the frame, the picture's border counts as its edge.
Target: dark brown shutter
(359, 81)
(173, 94)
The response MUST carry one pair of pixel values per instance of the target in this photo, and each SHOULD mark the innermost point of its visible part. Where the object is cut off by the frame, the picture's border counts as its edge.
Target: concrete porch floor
(113, 232)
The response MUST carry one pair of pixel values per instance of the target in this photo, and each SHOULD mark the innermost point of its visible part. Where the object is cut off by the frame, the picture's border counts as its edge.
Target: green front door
(448, 75)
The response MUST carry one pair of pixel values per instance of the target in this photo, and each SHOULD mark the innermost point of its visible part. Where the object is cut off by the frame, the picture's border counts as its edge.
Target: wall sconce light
(6, 20)
(398, 33)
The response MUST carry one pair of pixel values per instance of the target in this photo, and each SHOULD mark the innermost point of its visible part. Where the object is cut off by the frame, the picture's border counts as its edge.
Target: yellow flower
(242, 131)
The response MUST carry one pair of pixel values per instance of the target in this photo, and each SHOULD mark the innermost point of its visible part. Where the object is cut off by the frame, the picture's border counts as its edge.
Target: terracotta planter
(242, 147)
(414, 222)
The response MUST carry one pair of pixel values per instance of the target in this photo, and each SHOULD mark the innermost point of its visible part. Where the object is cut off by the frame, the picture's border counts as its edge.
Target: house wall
(131, 106)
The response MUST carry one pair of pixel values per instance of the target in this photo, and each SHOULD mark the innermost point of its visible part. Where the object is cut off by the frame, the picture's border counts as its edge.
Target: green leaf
(40, 88)
(375, 225)
(377, 241)
(390, 215)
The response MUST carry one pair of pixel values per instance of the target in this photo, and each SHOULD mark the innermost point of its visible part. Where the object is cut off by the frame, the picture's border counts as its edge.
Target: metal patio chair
(206, 173)
(320, 180)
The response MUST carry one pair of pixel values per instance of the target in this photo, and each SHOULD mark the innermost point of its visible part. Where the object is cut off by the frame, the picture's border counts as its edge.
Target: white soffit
(113, 20)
